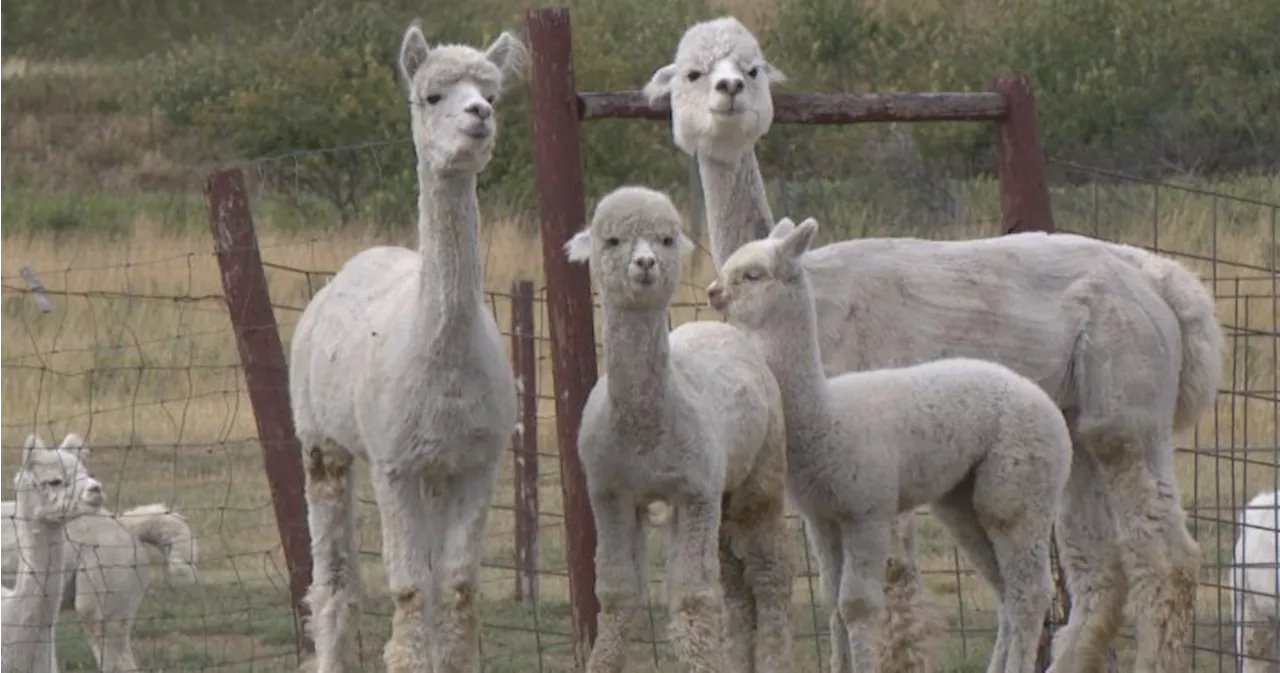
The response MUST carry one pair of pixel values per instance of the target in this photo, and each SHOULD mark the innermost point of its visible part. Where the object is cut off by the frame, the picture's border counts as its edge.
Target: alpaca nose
(480, 110)
(95, 488)
(731, 86)
(715, 294)
(645, 262)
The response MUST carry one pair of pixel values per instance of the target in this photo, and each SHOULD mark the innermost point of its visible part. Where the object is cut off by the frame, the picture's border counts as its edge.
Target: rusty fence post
(262, 356)
(558, 170)
(1024, 192)
(524, 443)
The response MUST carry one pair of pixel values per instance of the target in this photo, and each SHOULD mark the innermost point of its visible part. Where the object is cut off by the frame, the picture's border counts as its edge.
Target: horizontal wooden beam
(820, 108)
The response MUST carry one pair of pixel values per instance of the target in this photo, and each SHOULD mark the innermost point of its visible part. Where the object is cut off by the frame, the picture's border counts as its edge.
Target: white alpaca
(107, 570)
(52, 487)
(987, 448)
(1255, 584)
(694, 419)
(1125, 341)
(397, 360)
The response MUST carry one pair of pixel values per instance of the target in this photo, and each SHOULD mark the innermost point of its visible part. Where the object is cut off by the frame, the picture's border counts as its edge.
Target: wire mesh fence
(124, 337)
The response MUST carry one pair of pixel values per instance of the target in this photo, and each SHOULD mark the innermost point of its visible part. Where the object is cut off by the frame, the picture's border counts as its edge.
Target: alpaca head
(635, 244)
(719, 87)
(53, 484)
(764, 281)
(452, 90)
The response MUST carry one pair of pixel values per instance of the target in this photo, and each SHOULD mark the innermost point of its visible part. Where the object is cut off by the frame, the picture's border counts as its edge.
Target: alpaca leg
(956, 513)
(1089, 551)
(824, 537)
(620, 578)
(1023, 554)
(866, 547)
(769, 575)
(1255, 640)
(1161, 559)
(911, 625)
(410, 526)
(334, 595)
(693, 577)
(739, 606)
(456, 571)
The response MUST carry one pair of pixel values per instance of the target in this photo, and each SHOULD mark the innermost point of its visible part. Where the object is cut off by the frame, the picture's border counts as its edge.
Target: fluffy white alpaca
(107, 570)
(52, 487)
(1125, 341)
(1255, 584)
(397, 360)
(692, 418)
(987, 448)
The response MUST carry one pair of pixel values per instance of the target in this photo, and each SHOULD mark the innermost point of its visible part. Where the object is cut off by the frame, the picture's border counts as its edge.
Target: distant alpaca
(692, 418)
(107, 571)
(1255, 583)
(397, 360)
(1125, 341)
(987, 448)
(52, 488)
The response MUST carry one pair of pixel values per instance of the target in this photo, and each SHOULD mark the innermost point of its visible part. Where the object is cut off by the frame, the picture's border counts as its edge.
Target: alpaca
(52, 487)
(1255, 584)
(1126, 342)
(107, 570)
(692, 419)
(398, 361)
(985, 447)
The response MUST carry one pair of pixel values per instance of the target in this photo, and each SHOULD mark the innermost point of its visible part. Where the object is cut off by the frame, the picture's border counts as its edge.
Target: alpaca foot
(695, 632)
(407, 651)
(457, 631)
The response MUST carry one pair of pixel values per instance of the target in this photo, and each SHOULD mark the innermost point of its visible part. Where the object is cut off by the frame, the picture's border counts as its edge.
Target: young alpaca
(986, 448)
(1255, 583)
(692, 418)
(397, 360)
(1125, 341)
(52, 488)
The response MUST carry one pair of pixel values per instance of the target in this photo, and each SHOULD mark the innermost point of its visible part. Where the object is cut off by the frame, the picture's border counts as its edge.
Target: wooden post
(1024, 193)
(262, 356)
(525, 441)
(558, 170)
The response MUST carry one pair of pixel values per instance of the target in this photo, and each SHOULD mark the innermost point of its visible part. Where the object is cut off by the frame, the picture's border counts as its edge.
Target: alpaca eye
(752, 274)
(611, 241)
(668, 241)
(434, 98)
(694, 75)
(53, 483)
(489, 99)
(753, 72)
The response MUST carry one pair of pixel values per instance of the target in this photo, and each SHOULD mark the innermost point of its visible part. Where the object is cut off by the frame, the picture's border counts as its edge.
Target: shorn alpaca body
(52, 487)
(1126, 342)
(1255, 584)
(398, 361)
(986, 447)
(693, 419)
(107, 570)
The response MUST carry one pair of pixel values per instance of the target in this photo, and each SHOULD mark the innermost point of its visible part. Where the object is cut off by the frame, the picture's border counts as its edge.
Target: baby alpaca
(1255, 583)
(52, 487)
(692, 418)
(986, 448)
(398, 361)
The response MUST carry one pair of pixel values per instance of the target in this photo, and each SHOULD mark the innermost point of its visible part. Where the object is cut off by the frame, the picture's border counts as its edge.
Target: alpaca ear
(413, 51)
(74, 443)
(797, 241)
(509, 54)
(660, 84)
(775, 76)
(685, 246)
(780, 230)
(578, 249)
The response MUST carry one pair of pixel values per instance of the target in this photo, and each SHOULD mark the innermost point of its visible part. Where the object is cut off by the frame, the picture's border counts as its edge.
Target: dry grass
(154, 382)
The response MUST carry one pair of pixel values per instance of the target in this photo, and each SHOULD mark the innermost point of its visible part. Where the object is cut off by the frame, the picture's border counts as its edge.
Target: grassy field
(138, 355)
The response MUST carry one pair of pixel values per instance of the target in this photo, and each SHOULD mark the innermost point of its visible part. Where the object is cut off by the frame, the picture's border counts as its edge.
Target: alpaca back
(1256, 573)
(168, 531)
(729, 390)
(942, 418)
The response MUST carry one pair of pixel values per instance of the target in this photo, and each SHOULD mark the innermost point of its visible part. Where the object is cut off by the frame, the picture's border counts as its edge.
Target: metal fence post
(525, 441)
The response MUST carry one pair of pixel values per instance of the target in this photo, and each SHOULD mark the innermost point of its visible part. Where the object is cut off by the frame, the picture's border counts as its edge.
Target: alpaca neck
(737, 207)
(37, 592)
(637, 360)
(795, 360)
(452, 273)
